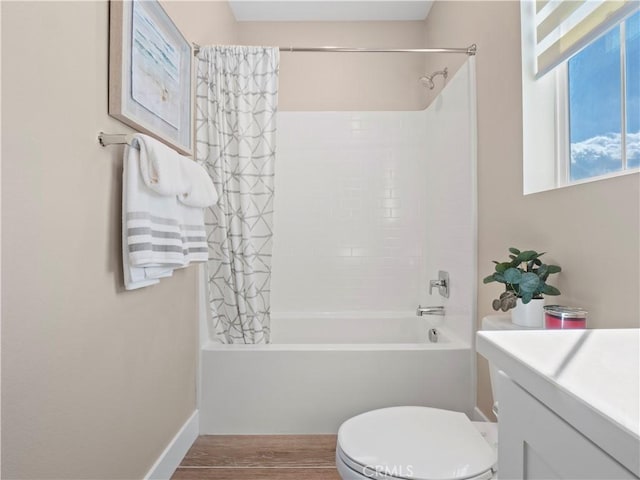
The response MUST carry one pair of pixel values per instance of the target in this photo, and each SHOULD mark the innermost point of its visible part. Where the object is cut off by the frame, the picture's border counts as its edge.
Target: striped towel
(194, 237)
(154, 240)
(159, 233)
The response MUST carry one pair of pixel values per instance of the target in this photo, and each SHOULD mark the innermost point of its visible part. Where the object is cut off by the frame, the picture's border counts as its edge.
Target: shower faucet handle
(442, 283)
(436, 283)
(439, 310)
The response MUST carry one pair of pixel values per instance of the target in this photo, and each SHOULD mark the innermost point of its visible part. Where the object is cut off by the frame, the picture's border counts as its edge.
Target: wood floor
(260, 457)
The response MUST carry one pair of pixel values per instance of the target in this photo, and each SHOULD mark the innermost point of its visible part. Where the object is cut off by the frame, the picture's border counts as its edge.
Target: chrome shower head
(427, 80)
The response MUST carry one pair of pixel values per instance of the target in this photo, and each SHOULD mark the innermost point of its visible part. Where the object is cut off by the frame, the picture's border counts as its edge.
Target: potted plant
(525, 280)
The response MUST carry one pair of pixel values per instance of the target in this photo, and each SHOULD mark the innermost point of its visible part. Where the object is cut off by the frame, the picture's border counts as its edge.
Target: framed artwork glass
(150, 73)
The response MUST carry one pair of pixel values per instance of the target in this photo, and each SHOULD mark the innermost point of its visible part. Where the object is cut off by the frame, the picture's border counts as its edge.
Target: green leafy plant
(524, 276)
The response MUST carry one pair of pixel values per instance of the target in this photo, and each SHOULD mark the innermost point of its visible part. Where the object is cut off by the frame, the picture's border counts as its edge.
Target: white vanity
(569, 402)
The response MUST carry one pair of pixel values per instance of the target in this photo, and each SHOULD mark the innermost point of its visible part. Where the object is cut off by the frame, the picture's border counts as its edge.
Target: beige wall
(95, 380)
(591, 230)
(344, 81)
(204, 23)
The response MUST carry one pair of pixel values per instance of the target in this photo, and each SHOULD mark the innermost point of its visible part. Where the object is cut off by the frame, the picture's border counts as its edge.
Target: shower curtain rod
(471, 50)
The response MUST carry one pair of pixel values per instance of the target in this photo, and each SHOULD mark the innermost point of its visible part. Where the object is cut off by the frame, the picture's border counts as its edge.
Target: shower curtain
(236, 100)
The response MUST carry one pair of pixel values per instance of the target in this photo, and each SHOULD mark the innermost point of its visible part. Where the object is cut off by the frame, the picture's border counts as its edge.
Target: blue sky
(595, 103)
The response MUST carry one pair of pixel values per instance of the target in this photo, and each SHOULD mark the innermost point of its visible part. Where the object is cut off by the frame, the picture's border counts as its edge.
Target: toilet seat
(414, 443)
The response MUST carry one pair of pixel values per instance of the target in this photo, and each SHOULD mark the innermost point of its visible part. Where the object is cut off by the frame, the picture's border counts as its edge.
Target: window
(580, 91)
(603, 102)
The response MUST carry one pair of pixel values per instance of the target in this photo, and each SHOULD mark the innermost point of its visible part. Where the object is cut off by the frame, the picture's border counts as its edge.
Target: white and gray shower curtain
(236, 102)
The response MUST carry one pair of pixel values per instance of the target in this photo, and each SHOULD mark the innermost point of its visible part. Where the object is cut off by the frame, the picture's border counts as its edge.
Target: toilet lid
(416, 443)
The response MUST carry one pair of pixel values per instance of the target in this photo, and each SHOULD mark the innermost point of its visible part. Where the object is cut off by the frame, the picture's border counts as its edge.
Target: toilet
(420, 443)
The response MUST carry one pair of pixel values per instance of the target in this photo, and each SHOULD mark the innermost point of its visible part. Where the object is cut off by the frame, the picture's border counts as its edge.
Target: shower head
(427, 80)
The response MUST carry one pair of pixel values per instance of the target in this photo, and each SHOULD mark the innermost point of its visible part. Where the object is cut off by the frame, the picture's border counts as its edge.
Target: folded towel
(159, 234)
(201, 192)
(134, 277)
(151, 233)
(194, 237)
(161, 167)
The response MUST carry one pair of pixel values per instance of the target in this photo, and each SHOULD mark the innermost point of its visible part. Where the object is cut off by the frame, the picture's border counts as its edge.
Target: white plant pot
(530, 314)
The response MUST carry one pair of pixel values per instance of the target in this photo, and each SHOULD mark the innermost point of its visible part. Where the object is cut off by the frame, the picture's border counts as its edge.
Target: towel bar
(106, 139)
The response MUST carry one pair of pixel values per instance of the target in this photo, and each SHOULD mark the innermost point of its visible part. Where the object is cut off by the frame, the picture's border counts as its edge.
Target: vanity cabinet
(568, 403)
(535, 443)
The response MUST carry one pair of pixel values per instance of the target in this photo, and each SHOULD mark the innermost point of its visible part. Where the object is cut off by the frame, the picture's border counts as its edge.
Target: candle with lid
(561, 317)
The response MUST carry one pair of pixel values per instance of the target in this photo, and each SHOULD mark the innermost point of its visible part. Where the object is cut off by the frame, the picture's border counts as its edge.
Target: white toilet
(420, 443)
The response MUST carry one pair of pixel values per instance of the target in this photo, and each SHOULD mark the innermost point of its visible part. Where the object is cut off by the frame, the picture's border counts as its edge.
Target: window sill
(629, 171)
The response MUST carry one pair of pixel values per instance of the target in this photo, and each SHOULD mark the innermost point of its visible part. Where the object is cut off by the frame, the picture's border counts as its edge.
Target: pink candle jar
(561, 317)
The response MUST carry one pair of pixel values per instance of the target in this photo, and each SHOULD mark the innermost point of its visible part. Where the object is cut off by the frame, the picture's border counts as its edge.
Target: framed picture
(150, 73)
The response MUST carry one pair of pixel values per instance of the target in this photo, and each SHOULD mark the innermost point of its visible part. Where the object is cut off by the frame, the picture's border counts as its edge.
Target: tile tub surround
(348, 211)
(260, 457)
(370, 205)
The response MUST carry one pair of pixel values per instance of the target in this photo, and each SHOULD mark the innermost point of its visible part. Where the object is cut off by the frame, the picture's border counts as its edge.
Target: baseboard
(479, 416)
(178, 447)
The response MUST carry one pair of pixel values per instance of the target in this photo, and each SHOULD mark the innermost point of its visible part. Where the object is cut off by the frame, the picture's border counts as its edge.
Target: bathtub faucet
(429, 310)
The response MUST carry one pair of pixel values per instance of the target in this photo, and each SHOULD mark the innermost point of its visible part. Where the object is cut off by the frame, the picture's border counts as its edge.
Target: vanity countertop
(590, 378)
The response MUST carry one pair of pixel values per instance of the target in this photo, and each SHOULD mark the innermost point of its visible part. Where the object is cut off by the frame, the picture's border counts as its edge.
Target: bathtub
(320, 370)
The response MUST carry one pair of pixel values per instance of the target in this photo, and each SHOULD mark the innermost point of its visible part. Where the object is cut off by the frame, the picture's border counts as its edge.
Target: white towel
(159, 234)
(151, 234)
(194, 237)
(161, 167)
(201, 191)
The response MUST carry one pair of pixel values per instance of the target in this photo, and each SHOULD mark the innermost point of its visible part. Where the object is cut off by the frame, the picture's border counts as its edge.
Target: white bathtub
(322, 369)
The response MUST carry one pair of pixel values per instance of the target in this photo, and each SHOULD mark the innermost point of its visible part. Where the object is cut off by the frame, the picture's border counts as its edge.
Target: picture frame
(150, 68)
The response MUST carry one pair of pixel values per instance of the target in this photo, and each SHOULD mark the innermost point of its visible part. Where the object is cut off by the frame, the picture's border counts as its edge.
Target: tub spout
(439, 310)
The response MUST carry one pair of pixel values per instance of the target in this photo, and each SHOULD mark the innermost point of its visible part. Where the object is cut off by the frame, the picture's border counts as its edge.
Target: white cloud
(633, 148)
(601, 154)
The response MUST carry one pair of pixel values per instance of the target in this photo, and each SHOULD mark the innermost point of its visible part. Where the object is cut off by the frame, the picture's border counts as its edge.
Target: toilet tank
(498, 322)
